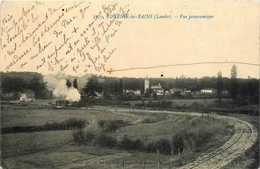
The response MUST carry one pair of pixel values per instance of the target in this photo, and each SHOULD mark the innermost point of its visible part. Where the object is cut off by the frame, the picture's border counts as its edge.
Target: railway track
(244, 137)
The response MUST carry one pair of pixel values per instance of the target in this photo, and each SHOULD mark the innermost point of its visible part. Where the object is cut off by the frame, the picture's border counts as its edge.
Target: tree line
(240, 90)
(12, 83)
(243, 90)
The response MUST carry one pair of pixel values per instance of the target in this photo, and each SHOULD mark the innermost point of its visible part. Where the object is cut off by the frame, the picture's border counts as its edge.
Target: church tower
(146, 83)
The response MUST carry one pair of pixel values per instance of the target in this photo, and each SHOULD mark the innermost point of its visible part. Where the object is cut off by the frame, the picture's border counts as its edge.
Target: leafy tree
(38, 87)
(243, 92)
(233, 83)
(120, 88)
(75, 84)
(148, 92)
(133, 83)
(92, 87)
(219, 86)
(253, 90)
(155, 95)
(107, 95)
(177, 94)
(116, 88)
(68, 83)
(13, 84)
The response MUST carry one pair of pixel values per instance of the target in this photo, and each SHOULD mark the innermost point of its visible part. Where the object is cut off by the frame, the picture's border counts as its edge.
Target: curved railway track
(244, 137)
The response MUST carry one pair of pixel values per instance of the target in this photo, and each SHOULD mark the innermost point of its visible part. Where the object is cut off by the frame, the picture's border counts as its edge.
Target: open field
(179, 102)
(34, 117)
(57, 149)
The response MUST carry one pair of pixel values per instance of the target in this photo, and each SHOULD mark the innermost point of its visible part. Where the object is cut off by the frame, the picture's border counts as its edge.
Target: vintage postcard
(129, 84)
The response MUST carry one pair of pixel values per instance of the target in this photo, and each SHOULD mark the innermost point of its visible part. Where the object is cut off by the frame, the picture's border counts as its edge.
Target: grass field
(57, 149)
(180, 102)
(34, 117)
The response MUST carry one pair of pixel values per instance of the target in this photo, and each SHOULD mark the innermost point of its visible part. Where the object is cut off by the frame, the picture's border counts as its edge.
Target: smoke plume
(57, 84)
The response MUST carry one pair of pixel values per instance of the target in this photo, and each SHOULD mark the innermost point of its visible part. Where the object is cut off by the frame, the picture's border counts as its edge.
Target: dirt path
(244, 138)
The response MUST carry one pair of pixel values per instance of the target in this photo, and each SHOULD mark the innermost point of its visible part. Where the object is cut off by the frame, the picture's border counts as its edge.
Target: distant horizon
(138, 77)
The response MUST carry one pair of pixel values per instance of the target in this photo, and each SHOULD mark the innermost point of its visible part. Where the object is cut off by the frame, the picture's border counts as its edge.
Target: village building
(186, 93)
(28, 96)
(209, 91)
(173, 90)
(157, 89)
(135, 92)
(167, 93)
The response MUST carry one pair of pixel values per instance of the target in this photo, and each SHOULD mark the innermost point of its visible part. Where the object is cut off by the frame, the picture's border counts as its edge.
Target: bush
(190, 139)
(125, 144)
(111, 125)
(203, 137)
(153, 104)
(166, 104)
(151, 148)
(180, 107)
(177, 143)
(149, 103)
(75, 123)
(53, 126)
(67, 125)
(137, 145)
(103, 140)
(89, 136)
(107, 125)
(101, 123)
(128, 144)
(78, 136)
(195, 106)
(139, 105)
(164, 146)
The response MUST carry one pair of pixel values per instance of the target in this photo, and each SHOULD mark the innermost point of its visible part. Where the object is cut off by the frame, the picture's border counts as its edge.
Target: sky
(229, 37)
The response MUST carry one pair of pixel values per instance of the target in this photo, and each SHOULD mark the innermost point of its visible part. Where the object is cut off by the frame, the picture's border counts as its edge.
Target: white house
(27, 96)
(206, 91)
(135, 92)
(157, 89)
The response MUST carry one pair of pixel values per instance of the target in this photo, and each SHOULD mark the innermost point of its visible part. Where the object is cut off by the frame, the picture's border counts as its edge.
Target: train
(62, 103)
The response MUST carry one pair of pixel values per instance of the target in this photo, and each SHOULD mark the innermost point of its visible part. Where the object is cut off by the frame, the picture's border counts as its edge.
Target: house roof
(207, 89)
(156, 86)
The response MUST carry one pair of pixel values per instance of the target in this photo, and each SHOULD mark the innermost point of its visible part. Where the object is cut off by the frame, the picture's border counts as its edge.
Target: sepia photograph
(129, 84)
